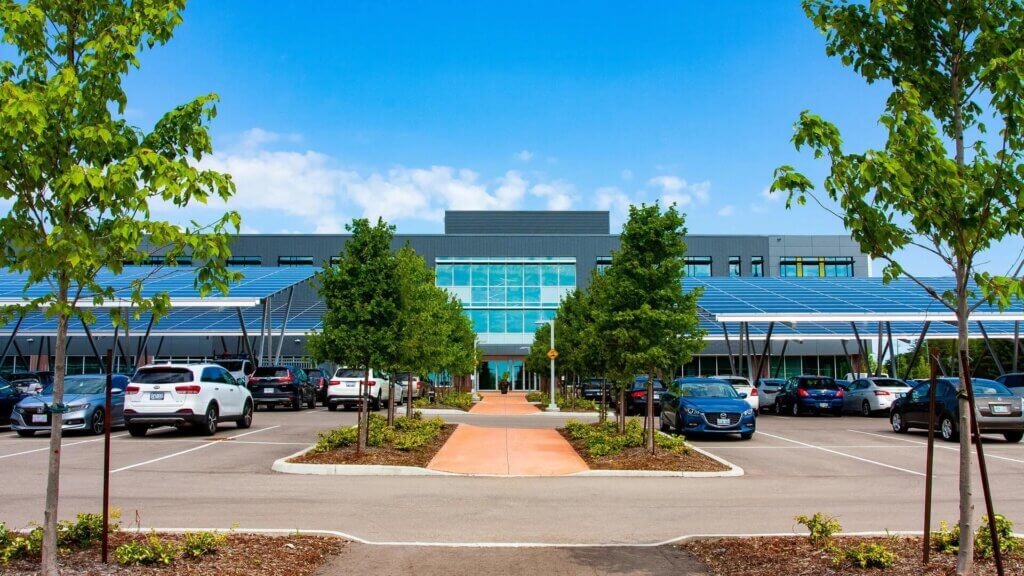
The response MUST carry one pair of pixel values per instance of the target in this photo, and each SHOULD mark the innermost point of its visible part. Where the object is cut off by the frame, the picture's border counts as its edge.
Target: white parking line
(207, 445)
(100, 439)
(720, 447)
(937, 445)
(837, 453)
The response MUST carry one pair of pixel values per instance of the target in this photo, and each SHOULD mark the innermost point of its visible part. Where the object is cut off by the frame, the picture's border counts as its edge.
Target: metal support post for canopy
(39, 353)
(245, 337)
(892, 350)
(863, 353)
(92, 344)
(991, 350)
(849, 358)
(765, 352)
(749, 350)
(21, 355)
(728, 347)
(141, 350)
(1016, 343)
(14, 333)
(881, 352)
(782, 358)
(284, 325)
(159, 347)
(263, 328)
(917, 350)
(124, 357)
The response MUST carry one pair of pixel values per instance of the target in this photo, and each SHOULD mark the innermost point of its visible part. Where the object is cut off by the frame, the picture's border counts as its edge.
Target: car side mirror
(743, 394)
(116, 391)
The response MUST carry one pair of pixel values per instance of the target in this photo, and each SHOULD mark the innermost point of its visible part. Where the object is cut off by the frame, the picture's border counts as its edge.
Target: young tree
(82, 182)
(955, 70)
(649, 323)
(363, 311)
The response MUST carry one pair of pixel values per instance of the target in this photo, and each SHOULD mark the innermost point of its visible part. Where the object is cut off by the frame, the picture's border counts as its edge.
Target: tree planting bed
(672, 454)
(380, 455)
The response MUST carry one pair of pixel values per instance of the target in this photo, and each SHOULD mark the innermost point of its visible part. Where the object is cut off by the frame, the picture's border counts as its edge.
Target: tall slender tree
(82, 182)
(955, 70)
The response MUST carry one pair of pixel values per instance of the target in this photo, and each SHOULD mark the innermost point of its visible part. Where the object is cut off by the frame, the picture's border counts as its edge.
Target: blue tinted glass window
(443, 275)
(530, 319)
(479, 318)
(549, 275)
(514, 296)
(496, 321)
(514, 321)
(531, 275)
(697, 266)
(479, 275)
(514, 275)
(495, 296)
(567, 275)
(461, 274)
(497, 276)
(531, 295)
(479, 295)
(547, 314)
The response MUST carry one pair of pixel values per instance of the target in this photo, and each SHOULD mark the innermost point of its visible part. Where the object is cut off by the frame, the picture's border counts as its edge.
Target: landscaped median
(603, 447)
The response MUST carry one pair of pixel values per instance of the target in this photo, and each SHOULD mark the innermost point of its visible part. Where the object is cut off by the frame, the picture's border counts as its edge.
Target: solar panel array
(176, 281)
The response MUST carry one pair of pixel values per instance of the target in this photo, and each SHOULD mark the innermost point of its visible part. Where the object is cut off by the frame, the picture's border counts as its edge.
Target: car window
(231, 365)
(890, 383)
(271, 371)
(921, 392)
(6, 388)
(818, 384)
(162, 375)
(1013, 380)
(349, 373)
(706, 390)
(81, 385)
(990, 387)
(227, 378)
(210, 374)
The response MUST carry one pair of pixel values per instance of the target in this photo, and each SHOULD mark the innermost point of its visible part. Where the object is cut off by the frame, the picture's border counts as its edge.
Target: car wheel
(312, 402)
(376, 403)
(1013, 437)
(297, 403)
(268, 406)
(26, 433)
(777, 408)
(96, 425)
(898, 423)
(208, 426)
(747, 435)
(947, 429)
(246, 420)
(865, 409)
(664, 425)
(137, 430)
(794, 409)
(332, 407)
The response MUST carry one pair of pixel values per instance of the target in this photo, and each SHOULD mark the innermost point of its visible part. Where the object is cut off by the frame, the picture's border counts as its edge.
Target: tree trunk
(391, 402)
(965, 557)
(408, 398)
(603, 414)
(621, 416)
(360, 438)
(650, 414)
(49, 550)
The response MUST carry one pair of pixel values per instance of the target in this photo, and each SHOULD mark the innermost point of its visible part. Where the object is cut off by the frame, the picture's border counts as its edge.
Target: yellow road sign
(552, 354)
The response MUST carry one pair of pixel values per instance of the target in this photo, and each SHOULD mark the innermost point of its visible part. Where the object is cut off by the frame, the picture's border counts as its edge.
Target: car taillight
(129, 411)
(371, 383)
(839, 393)
(131, 389)
(753, 391)
(334, 382)
(285, 379)
(802, 392)
(882, 393)
(187, 389)
(637, 394)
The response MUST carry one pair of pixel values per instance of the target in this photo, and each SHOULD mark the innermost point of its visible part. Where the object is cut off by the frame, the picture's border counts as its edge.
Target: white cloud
(257, 138)
(626, 174)
(675, 190)
(668, 184)
(613, 200)
(559, 194)
(727, 210)
(767, 198)
(524, 155)
(770, 196)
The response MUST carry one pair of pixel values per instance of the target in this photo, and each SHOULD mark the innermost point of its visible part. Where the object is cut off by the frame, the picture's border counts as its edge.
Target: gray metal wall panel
(526, 222)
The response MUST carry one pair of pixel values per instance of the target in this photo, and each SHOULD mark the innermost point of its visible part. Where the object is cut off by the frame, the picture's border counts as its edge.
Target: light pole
(525, 384)
(553, 406)
(476, 371)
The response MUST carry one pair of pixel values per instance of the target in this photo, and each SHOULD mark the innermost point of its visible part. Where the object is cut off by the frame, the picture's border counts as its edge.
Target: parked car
(767, 389)
(742, 386)
(998, 411)
(809, 393)
(869, 396)
(318, 378)
(402, 380)
(200, 395)
(343, 388)
(239, 369)
(283, 385)
(86, 397)
(636, 396)
(31, 382)
(590, 389)
(706, 406)
(9, 398)
(1015, 382)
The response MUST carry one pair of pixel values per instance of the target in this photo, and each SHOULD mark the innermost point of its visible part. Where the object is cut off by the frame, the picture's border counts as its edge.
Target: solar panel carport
(261, 303)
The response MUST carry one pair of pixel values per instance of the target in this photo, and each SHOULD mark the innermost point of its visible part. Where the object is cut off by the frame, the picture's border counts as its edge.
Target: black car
(636, 396)
(318, 378)
(591, 389)
(282, 385)
(9, 398)
(31, 381)
(998, 410)
(1015, 382)
(810, 394)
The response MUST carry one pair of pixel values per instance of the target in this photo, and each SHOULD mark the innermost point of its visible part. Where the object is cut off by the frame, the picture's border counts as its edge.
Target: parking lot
(853, 467)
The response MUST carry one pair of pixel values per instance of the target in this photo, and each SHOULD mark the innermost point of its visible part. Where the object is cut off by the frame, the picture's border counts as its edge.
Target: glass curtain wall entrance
(492, 371)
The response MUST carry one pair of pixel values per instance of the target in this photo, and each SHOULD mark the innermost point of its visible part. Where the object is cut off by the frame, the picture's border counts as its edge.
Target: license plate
(39, 418)
(1000, 409)
(724, 422)
(156, 395)
(268, 390)
(350, 385)
(822, 404)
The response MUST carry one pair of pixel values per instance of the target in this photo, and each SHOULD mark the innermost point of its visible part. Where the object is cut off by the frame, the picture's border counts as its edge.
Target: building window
(162, 261)
(757, 266)
(816, 267)
(734, 266)
(294, 260)
(603, 262)
(698, 266)
(245, 261)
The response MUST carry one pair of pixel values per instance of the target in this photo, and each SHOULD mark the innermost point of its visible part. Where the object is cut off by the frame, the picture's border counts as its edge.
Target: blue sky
(332, 110)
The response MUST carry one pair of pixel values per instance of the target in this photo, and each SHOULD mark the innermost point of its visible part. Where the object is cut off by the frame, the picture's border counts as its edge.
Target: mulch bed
(241, 555)
(441, 407)
(640, 459)
(795, 556)
(385, 456)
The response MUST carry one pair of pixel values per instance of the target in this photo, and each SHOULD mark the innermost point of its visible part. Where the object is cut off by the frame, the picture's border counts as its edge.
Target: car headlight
(77, 407)
(691, 411)
(748, 412)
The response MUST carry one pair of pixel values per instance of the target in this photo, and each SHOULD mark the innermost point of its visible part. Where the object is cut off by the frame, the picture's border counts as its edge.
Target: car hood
(68, 399)
(716, 404)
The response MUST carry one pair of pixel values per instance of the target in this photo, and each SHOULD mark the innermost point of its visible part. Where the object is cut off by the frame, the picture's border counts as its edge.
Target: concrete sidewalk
(428, 561)
(511, 404)
(507, 452)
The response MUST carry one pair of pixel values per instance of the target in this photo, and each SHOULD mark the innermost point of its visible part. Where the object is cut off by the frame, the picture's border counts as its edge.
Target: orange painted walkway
(507, 451)
(511, 404)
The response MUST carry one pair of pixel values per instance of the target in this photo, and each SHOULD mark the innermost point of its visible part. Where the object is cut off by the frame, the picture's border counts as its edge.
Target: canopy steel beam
(1016, 343)
(284, 325)
(145, 339)
(991, 350)
(92, 344)
(728, 347)
(263, 328)
(10, 340)
(159, 347)
(782, 358)
(849, 358)
(892, 350)
(917, 350)
(863, 353)
(21, 355)
(245, 337)
(765, 352)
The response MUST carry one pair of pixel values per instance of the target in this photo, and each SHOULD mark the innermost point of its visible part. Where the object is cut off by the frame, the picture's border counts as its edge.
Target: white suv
(343, 389)
(180, 394)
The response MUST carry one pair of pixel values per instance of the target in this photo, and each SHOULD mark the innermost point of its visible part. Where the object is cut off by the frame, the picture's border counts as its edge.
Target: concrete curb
(441, 411)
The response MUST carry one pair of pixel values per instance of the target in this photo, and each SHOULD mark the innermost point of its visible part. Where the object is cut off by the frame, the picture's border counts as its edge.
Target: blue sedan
(85, 397)
(706, 406)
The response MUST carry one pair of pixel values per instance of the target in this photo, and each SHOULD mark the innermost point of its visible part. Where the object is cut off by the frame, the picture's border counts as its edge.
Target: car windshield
(270, 372)
(24, 379)
(773, 382)
(990, 387)
(79, 385)
(314, 373)
(818, 384)
(162, 376)
(890, 383)
(707, 390)
(642, 385)
(349, 373)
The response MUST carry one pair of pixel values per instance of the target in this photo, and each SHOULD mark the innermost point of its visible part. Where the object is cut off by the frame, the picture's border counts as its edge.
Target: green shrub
(455, 399)
(579, 404)
(151, 551)
(1008, 543)
(604, 439)
(945, 540)
(335, 439)
(870, 556)
(537, 397)
(821, 527)
(86, 530)
(406, 434)
(14, 545)
(202, 543)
